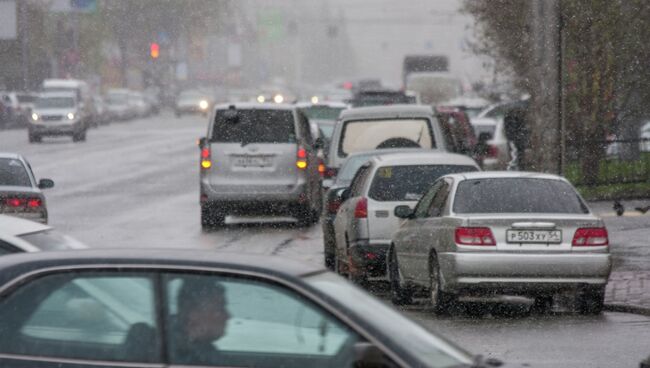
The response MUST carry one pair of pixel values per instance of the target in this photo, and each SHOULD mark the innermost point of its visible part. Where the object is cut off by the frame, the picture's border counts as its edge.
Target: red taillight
(474, 236)
(590, 236)
(301, 161)
(206, 161)
(34, 203)
(492, 151)
(321, 168)
(330, 172)
(333, 206)
(14, 202)
(361, 209)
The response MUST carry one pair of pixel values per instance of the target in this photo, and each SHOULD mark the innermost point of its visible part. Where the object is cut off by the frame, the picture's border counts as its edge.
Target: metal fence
(626, 161)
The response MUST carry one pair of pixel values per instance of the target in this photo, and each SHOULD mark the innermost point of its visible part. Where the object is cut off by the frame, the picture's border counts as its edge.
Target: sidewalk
(630, 289)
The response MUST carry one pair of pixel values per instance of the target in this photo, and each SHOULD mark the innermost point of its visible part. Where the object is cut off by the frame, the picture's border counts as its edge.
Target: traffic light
(155, 50)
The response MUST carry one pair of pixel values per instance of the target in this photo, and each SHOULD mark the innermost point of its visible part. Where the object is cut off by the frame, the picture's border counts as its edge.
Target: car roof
(255, 106)
(15, 265)
(57, 94)
(16, 226)
(422, 157)
(505, 174)
(331, 104)
(389, 111)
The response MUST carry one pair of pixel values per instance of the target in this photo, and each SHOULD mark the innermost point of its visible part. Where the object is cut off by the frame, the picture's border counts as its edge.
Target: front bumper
(56, 129)
(368, 258)
(523, 272)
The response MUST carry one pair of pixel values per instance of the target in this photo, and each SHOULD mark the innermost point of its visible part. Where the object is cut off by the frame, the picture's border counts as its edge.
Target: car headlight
(35, 116)
(70, 116)
(203, 104)
(261, 99)
(314, 99)
(278, 98)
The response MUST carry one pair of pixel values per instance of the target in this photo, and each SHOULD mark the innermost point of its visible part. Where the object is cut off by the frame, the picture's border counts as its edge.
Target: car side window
(438, 203)
(357, 184)
(421, 209)
(230, 321)
(99, 316)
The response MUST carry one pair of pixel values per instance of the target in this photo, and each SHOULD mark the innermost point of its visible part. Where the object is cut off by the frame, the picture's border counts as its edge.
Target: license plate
(534, 236)
(253, 161)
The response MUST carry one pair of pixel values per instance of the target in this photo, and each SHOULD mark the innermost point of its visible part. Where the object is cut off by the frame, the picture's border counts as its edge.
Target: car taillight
(361, 209)
(301, 161)
(14, 202)
(206, 161)
(492, 151)
(321, 168)
(330, 172)
(333, 206)
(34, 203)
(474, 236)
(590, 236)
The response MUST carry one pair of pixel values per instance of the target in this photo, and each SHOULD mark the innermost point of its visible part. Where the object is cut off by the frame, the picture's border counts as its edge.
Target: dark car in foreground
(159, 308)
(20, 193)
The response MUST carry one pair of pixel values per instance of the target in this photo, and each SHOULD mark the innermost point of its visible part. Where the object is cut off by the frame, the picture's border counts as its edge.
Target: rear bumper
(368, 258)
(32, 216)
(258, 193)
(523, 272)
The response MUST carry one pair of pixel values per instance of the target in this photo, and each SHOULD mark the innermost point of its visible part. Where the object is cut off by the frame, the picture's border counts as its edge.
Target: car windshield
(517, 195)
(366, 135)
(350, 168)
(54, 102)
(409, 182)
(51, 240)
(13, 173)
(428, 348)
(254, 126)
(322, 112)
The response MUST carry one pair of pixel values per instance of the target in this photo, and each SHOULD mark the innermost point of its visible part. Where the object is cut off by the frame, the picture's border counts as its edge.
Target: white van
(80, 88)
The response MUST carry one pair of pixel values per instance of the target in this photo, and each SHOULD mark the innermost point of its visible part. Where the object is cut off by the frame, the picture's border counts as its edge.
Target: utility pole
(545, 112)
(24, 43)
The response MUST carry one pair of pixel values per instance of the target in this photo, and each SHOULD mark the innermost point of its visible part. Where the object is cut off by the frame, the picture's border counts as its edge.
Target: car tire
(440, 301)
(399, 294)
(305, 216)
(542, 304)
(34, 138)
(211, 217)
(590, 301)
(79, 137)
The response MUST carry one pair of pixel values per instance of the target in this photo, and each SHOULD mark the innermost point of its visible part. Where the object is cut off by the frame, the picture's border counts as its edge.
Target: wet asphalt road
(135, 184)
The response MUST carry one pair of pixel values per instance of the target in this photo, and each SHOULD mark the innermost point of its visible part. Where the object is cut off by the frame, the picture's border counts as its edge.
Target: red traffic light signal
(155, 50)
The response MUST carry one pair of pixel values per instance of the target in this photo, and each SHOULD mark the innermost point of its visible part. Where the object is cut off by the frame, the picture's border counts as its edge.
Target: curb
(627, 308)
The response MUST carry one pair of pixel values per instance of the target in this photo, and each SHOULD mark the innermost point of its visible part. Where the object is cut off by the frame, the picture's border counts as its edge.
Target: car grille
(52, 117)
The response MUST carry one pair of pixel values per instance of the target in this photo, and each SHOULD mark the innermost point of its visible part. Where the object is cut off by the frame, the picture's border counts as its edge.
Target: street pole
(560, 91)
(24, 47)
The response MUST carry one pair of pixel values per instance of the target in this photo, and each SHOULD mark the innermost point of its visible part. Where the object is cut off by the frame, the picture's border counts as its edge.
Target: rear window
(255, 126)
(408, 183)
(517, 195)
(367, 135)
(487, 129)
(13, 173)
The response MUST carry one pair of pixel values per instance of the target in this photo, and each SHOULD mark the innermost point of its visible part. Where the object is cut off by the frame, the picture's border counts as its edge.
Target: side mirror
(344, 194)
(46, 183)
(368, 355)
(319, 143)
(202, 142)
(403, 212)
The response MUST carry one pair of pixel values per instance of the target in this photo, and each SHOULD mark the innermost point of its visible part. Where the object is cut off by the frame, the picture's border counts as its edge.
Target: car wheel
(33, 138)
(79, 137)
(590, 301)
(211, 218)
(305, 216)
(399, 294)
(439, 300)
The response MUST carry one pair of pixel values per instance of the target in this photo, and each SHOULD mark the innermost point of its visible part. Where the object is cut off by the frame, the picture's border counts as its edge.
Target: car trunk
(534, 232)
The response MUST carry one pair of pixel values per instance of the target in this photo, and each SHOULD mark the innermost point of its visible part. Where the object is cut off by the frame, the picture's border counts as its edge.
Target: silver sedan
(512, 233)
